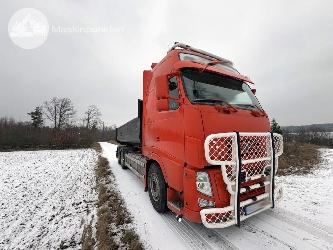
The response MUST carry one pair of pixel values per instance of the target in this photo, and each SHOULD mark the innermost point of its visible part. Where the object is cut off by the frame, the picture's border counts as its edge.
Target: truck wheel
(119, 156)
(157, 188)
(122, 160)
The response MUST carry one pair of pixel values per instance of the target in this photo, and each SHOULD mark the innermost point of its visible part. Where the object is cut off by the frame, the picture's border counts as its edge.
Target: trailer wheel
(157, 188)
(119, 156)
(122, 160)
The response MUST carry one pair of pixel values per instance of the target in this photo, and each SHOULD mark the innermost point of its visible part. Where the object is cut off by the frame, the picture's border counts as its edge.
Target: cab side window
(173, 93)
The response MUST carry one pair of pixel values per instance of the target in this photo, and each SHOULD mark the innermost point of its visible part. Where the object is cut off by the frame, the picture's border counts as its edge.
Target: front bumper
(225, 217)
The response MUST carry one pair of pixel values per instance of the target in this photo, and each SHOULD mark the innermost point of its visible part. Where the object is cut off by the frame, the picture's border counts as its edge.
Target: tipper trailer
(201, 144)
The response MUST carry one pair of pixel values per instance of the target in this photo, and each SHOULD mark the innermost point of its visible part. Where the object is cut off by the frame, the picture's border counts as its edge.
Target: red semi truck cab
(202, 144)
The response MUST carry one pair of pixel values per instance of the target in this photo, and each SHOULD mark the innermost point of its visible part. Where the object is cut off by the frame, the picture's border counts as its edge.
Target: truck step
(175, 206)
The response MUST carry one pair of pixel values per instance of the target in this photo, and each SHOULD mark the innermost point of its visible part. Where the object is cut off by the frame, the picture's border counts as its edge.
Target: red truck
(201, 144)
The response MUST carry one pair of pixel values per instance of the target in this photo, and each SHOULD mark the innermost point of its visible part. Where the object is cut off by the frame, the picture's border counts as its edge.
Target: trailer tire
(118, 156)
(157, 188)
(122, 160)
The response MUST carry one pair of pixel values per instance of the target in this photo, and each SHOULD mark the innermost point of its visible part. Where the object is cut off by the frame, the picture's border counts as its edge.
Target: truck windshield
(210, 88)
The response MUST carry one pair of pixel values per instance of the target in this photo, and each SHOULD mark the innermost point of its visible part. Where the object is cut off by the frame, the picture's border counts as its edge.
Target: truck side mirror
(162, 104)
(162, 87)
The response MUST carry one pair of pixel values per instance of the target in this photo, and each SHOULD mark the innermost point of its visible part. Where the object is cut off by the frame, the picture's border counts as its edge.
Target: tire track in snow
(191, 237)
(219, 240)
(305, 224)
(287, 234)
(245, 237)
(261, 231)
(274, 240)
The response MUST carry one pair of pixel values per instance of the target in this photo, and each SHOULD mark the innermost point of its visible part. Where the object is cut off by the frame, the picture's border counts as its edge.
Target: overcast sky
(285, 47)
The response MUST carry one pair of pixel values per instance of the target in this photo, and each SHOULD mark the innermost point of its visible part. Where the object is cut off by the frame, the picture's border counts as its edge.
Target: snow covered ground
(46, 198)
(303, 219)
(311, 195)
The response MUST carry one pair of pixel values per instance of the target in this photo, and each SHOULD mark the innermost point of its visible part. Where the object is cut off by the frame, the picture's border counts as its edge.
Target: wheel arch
(148, 165)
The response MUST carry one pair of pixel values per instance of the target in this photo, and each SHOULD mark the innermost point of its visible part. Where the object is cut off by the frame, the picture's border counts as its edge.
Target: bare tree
(66, 112)
(92, 117)
(59, 111)
(51, 110)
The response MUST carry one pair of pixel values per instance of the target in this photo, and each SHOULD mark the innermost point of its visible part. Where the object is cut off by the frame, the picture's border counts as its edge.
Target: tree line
(315, 137)
(304, 134)
(54, 125)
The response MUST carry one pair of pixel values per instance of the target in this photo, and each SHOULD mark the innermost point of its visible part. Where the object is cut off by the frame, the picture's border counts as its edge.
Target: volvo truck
(201, 143)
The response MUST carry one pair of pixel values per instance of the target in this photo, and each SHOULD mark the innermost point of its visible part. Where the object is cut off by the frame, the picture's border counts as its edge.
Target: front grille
(255, 179)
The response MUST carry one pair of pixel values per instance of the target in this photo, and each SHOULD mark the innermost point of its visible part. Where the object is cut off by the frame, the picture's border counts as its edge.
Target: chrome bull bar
(243, 157)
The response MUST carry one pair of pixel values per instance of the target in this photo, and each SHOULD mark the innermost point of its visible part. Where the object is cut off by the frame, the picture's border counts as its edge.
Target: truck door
(169, 132)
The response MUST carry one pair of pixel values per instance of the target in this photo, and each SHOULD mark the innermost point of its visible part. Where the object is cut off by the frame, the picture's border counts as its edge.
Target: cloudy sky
(285, 47)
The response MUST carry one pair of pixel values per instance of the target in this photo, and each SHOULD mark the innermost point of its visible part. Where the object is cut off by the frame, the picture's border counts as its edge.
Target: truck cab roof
(184, 56)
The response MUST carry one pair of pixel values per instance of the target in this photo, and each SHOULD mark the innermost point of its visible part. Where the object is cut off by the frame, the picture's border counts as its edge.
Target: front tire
(157, 188)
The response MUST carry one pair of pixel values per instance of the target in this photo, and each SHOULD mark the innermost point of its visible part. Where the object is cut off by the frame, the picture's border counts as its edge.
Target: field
(310, 195)
(46, 198)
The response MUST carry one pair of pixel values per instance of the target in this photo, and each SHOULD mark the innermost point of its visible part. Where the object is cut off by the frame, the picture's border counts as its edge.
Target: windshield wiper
(260, 110)
(249, 105)
(208, 100)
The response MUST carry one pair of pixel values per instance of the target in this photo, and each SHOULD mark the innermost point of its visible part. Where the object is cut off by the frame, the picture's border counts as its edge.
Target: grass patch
(298, 158)
(131, 239)
(88, 241)
(114, 228)
(97, 147)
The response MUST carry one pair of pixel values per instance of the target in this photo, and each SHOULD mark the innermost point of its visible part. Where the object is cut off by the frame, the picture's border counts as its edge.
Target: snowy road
(46, 197)
(303, 220)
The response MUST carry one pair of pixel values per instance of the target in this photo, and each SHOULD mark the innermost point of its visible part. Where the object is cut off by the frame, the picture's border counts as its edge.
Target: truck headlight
(205, 203)
(203, 183)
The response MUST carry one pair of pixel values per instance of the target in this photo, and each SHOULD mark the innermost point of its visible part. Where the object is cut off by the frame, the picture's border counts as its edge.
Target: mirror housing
(162, 104)
(162, 87)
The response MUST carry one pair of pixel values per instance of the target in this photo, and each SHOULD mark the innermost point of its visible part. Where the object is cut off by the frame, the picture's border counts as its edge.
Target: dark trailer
(130, 133)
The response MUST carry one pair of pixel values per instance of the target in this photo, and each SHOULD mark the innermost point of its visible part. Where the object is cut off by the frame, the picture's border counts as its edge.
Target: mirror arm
(174, 99)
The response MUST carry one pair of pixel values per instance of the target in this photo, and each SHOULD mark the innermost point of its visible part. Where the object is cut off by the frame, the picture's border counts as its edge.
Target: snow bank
(311, 195)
